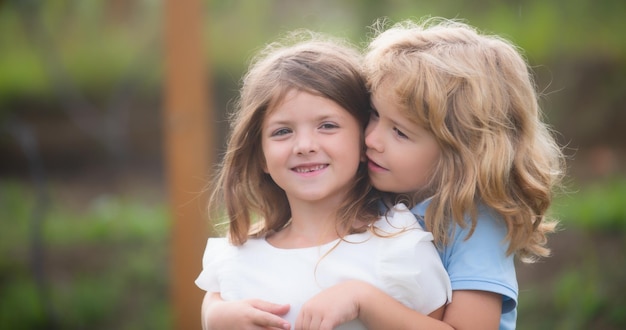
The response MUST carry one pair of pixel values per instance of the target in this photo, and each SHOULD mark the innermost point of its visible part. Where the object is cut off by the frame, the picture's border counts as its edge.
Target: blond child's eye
(400, 134)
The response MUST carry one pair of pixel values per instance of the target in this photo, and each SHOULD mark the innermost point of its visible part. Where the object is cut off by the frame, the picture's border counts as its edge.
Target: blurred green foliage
(106, 264)
(55, 50)
(582, 297)
(95, 42)
(80, 42)
(585, 288)
(598, 206)
(104, 267)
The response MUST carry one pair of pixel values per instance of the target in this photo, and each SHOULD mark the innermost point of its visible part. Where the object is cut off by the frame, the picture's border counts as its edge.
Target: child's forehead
(295, 94)
(405, 107)
(283, 93)
(387, 92)
(392, 82)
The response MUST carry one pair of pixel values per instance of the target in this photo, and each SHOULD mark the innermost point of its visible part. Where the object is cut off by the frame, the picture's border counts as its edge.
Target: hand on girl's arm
(355, 299)
(247, 314)
(331, 307)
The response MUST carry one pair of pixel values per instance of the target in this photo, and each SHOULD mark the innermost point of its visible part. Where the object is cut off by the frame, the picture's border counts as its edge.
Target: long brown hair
(305, 61)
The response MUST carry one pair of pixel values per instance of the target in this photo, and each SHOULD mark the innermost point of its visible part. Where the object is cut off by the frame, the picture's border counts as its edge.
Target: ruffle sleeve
(216, 253)
(409, 265)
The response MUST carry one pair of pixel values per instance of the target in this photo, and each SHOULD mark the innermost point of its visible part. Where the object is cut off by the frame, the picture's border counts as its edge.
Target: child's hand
(331, 307)
(251, 314)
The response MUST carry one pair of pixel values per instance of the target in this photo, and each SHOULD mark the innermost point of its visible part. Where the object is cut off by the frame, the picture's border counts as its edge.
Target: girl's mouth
(309, 169)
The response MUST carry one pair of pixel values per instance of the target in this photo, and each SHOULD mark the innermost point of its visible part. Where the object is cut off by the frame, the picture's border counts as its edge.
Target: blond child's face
(312, 148)
(401, 154)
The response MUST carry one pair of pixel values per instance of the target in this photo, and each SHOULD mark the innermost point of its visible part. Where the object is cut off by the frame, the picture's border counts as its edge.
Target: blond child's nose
(372, 140)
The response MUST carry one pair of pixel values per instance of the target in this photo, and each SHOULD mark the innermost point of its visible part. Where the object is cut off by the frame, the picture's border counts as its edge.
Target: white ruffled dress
(403, 263)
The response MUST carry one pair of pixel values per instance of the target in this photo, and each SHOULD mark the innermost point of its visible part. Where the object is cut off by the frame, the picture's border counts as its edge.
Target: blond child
(457, 133)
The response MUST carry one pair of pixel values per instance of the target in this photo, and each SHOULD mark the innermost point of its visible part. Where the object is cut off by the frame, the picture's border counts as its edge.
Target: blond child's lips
(374, 165)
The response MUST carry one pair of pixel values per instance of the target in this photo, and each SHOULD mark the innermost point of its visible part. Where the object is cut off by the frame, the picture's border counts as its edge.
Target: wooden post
(188, 153)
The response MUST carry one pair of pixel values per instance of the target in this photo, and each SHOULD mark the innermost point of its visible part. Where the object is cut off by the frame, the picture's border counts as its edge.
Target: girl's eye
(400, 134)
(328, 126)
(281, 132)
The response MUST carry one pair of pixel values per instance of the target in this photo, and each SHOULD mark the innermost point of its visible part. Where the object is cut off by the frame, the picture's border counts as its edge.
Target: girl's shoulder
(397, 217)
(218, 248)
(399, 220)
(410, 267)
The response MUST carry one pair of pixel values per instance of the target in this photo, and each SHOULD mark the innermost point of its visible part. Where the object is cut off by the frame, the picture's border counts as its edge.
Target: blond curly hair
(476, 94)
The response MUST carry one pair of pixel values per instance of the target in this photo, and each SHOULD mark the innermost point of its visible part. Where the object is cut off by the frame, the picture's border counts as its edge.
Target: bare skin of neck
(310, 225)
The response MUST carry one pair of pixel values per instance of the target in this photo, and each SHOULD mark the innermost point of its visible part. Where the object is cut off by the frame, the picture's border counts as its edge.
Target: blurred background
(85, 212)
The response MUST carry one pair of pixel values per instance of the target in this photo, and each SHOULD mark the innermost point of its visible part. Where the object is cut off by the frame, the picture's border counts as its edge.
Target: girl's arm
(243, 314)
(355, 299)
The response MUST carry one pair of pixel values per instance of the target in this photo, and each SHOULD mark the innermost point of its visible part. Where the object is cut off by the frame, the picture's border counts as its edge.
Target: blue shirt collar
(420, 209)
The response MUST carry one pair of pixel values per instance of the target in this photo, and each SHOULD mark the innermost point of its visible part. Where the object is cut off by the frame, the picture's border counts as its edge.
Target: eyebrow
(320, 118)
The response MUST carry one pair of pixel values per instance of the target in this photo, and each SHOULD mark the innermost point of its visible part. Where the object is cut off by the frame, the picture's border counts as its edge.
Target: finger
(307, 322)
(302, 321)
(268, 320)
(266, 306)
(326, 324)
(315, 323)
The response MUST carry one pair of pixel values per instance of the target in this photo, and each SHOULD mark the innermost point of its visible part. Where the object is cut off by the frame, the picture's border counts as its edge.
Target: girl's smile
(312, 147)
(313, 169)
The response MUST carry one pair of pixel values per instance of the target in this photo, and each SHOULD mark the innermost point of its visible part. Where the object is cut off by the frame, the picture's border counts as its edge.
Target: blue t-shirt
(480, 262)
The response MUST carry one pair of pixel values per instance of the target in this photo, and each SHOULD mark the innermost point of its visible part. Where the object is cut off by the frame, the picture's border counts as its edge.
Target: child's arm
(244, 314)
(355, 299)
(473, 309)
(468, 310)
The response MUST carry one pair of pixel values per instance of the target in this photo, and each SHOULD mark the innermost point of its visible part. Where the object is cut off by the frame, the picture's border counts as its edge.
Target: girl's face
(312, 147)
(401, 155)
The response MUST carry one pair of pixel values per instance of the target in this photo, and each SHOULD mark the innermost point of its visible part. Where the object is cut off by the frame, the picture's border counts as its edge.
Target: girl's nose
(305, 144)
